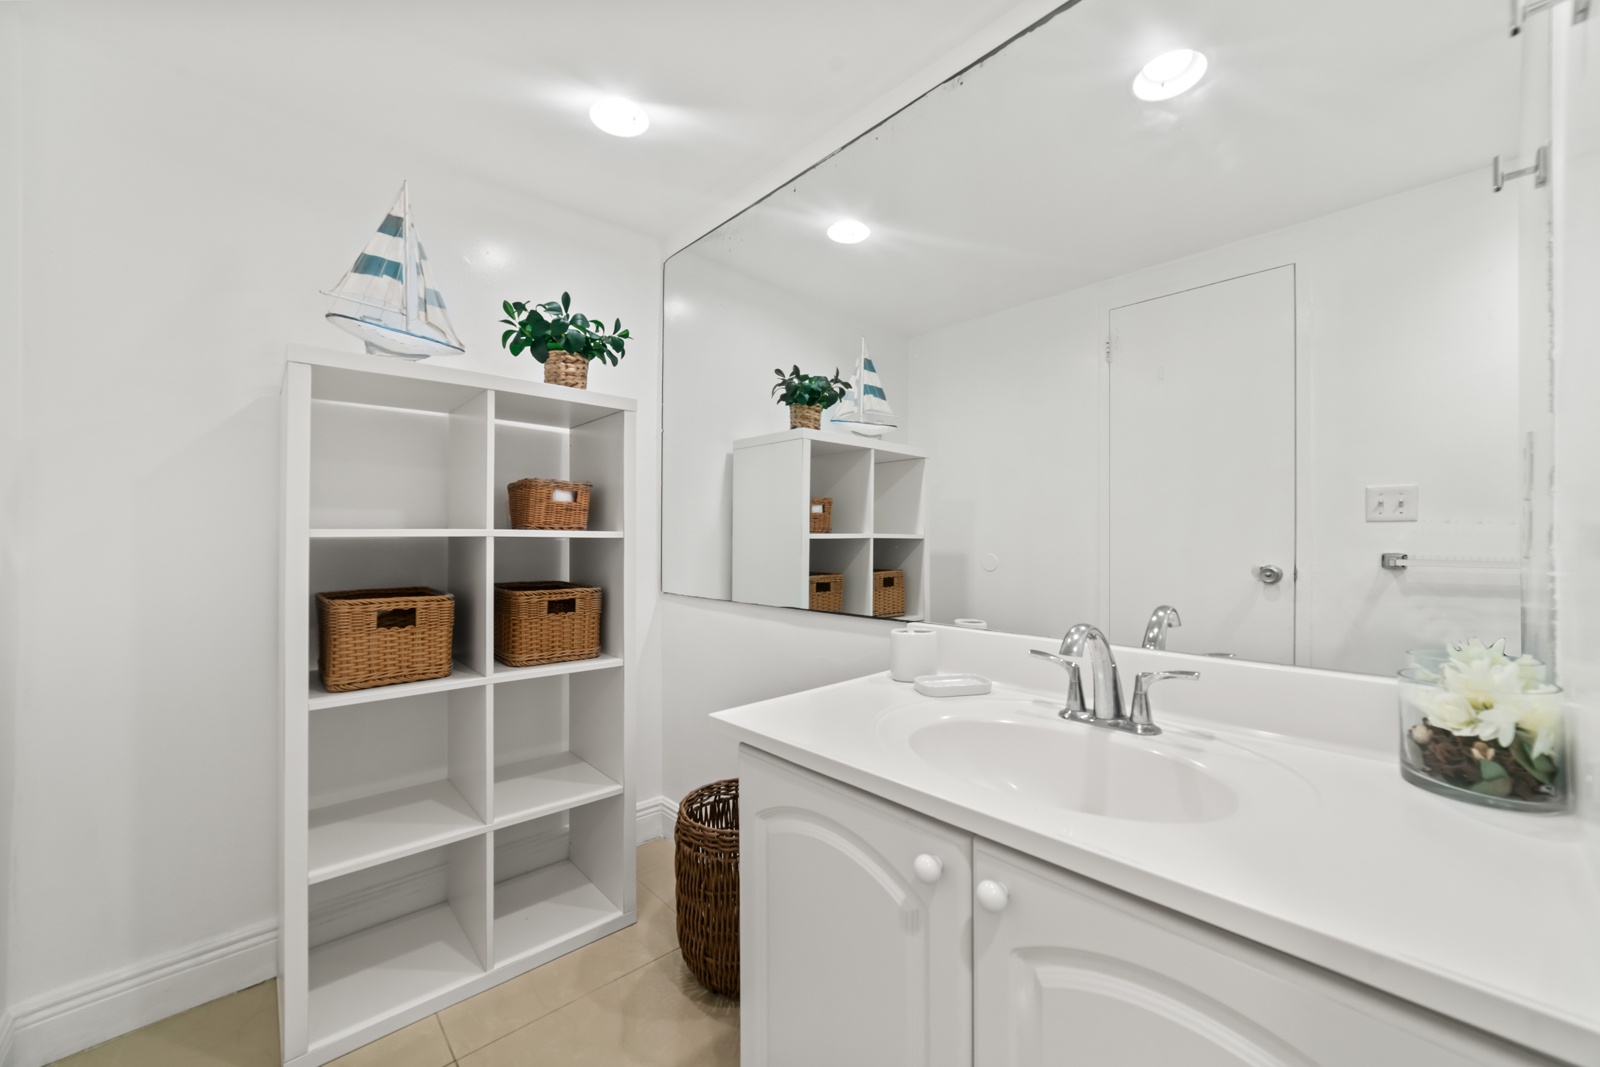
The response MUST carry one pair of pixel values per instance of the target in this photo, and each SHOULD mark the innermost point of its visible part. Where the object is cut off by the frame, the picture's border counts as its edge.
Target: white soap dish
(953, 685)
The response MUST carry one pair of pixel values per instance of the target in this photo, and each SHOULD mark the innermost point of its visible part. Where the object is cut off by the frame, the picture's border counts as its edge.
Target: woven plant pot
(805, 417)
(706, 870)
(566, 368)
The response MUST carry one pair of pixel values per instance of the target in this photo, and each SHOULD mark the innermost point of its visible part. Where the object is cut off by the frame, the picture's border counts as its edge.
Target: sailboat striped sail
(865, 409)
(385, 298)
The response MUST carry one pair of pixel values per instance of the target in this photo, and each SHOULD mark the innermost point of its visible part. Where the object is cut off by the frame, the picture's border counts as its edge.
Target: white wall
(1407, 320)
(176, 236)
(729, 332)
(11, 408)
(718, 655)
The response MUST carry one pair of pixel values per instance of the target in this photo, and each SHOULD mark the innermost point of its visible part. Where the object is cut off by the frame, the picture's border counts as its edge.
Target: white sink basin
(1020, 750)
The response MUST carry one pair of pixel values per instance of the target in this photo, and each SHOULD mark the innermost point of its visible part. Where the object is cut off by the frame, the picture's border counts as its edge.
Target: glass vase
(1481, 741)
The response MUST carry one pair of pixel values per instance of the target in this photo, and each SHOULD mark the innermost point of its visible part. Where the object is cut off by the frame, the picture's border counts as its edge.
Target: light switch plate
(1391, 503)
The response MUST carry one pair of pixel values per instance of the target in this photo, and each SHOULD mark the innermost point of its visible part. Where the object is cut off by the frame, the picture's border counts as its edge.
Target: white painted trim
(656, 817)
(87, 1013)
(975, 47)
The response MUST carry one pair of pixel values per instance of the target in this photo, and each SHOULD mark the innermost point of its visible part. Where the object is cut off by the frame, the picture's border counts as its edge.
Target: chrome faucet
(1084, 640)
(1162, 619)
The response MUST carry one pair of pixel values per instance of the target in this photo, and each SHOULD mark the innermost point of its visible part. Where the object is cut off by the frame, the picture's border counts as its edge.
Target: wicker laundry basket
(889, 592)
(545, 622)
(706, 862)
(822, 514)
(547, 504)
(373, 637)
(827, 592)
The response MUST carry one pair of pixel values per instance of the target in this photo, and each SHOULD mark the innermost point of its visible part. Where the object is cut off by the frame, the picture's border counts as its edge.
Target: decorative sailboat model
(864, 410)
(385, 298)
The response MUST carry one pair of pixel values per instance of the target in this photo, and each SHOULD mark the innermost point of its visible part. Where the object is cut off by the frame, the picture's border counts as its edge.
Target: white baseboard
(656, 817)
(44, 1029)
(87, 1013)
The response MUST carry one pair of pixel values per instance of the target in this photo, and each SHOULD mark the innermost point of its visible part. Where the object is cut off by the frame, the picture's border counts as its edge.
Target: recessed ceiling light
(619, 117)
(1165, 76)
(849, 231)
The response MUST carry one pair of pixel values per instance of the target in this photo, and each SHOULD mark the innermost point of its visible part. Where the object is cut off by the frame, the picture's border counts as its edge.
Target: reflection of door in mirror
(1202, 466)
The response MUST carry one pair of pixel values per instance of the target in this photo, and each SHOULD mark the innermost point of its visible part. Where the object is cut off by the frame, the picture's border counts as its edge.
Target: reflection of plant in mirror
(809, 390)
(541, 329)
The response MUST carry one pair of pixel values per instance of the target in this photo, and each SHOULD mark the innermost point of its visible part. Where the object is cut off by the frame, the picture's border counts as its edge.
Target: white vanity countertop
(1489, 917)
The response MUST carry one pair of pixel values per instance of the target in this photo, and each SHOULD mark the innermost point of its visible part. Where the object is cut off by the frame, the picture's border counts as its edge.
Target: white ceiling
(503, 88)
(1039, 171)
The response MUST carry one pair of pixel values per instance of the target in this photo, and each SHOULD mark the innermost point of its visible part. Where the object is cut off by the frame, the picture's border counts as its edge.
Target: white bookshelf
(879, 508)
(440, 837)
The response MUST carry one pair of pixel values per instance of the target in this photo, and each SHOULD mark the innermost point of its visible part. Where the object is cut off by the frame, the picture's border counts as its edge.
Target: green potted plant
(563, 340)
(807, 395)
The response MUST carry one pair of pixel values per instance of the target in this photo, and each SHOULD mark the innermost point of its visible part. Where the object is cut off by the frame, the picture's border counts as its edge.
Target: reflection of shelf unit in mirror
(442, 836)
(878, 497)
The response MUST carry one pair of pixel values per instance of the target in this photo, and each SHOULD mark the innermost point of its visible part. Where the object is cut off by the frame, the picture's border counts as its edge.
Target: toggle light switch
(1391, 503)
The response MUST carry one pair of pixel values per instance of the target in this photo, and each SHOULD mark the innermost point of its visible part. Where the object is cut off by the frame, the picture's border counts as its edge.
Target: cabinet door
(1069, 972)
(847, 955)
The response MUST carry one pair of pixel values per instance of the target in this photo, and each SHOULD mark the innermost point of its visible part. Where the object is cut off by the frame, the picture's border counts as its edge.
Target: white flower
(1532, 671)
(1498, 722)
(1448, 711)
(1541, 720)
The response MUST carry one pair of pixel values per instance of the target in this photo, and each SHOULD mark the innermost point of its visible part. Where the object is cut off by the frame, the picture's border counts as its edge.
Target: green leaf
(1491, 770)
(1522, 754)
(1495, 787)
(566, 301)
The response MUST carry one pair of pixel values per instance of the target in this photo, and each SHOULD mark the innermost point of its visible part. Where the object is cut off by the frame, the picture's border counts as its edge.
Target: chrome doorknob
(992, 895)
(928, 868)
(1267, 574)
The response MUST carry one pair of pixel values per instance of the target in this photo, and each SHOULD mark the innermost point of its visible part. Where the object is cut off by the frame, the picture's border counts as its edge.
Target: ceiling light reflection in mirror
(1170, 74)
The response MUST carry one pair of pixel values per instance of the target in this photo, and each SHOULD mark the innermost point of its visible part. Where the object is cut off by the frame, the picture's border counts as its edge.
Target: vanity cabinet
(855, 918)
(1070, 972)
(1005, 961)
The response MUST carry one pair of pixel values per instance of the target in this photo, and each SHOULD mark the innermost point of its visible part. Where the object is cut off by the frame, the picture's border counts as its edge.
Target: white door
(1202, 466)
(848, 955)
(1069, 973)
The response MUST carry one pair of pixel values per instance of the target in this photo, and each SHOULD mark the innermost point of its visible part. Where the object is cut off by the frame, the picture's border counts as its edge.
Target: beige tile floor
(625, 1001)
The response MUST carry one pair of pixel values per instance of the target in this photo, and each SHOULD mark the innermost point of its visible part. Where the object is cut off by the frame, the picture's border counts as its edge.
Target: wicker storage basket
(707, 882)
(827, 592)
(372, 637)
(566, 368)
(534, 505)
(822, 514)
(805, 417)
(888, 592)
(545, 622)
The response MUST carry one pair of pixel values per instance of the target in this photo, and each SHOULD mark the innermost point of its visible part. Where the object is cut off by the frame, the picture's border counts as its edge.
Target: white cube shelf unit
(878, 514)
(440, 837)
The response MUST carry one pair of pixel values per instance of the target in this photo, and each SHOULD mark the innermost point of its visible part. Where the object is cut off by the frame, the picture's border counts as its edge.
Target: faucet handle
(1074, 709)
(1139, 711)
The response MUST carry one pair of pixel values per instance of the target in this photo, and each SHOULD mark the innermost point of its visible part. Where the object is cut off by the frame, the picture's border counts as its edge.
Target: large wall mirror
(1272, 351)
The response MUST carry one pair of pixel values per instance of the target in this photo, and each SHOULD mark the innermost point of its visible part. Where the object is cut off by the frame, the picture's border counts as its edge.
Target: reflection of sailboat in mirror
(865, 409)
(385, 299)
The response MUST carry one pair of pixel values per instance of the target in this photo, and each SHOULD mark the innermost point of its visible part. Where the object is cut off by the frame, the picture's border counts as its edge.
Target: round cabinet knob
(992, 895)
(1268, 574)
(928, 868)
